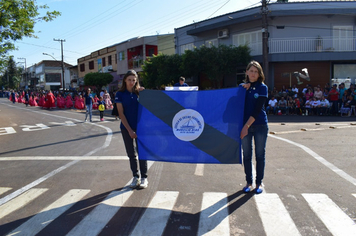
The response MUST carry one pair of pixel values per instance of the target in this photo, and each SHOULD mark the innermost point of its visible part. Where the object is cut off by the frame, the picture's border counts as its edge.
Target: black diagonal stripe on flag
(211, 141)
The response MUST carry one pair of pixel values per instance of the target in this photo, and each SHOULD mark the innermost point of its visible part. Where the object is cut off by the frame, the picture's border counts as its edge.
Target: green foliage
(17, 20)
(214, 62)
(161, 70)
(97, 79)
(11, 75)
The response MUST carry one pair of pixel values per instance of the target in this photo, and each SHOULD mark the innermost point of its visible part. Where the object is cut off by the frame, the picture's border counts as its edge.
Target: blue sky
(89, 25)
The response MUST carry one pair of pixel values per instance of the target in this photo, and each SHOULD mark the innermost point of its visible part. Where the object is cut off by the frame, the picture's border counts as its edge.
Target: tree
(97, 79)
(12, 75)
(17, 20)
(214, 63)
(161, 70)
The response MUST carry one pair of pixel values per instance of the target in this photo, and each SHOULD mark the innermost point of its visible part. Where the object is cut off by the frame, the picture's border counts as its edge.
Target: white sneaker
(135, 182)
(144, 183)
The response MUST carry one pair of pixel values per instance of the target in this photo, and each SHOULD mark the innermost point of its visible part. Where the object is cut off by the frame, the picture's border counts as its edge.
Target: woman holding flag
(255, 125)
(126, 100)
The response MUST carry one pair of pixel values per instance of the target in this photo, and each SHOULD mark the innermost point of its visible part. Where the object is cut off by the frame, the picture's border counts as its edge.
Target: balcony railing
(302, 45)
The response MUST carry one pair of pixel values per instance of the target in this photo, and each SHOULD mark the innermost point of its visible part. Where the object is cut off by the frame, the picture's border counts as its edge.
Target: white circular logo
(188, 125)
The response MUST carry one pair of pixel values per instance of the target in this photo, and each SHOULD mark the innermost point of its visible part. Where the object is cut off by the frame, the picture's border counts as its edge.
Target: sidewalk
(296, 119)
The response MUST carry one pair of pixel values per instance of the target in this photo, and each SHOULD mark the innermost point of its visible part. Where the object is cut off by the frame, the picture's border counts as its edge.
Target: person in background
(181, 82)
(89, 100)
(101, 107)
(323, 107)
(342, 96)
(272, 105)
(333, 99)
(256, 125)
(126, 100)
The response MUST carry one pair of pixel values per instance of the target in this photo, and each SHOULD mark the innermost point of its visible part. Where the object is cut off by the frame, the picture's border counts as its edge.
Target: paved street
(62, 176)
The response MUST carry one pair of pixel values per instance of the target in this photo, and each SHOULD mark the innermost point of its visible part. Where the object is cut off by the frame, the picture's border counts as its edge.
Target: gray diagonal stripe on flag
(211, 141)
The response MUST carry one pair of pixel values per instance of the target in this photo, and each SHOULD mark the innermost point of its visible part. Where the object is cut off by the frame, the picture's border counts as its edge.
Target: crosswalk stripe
(20, 201)
(214, 215)
(48, 214)
(97, 219)
(155, 218)
(64, 158)
(354, 195)
(331, 215)
(275, 217)
(4, 190)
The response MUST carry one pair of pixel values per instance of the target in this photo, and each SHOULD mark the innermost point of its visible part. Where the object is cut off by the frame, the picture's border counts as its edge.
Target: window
(251, 39)
(82, 67)
(210, 43)
(343, 38)
(91, 65)
(104, 61)
(189, 46)
(53, 77)
(109, 60)
(151, 52)
(121, 56)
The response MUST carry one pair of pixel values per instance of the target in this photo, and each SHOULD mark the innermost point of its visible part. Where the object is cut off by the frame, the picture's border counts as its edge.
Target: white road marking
(34, 183)
(155, 218)
(275, 217)
(34, 127)
(214, 215)
(7, 130)
(40, 180)
(66, 123)
(61, 158)
(331, 166)
(354, 195)
(98, 218)
(337, 221)
(48, 214)
(199, 170)
(20, 201)
(4, 190)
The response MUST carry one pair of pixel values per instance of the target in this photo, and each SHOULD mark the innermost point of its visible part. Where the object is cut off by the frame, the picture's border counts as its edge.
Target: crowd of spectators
(311, 100)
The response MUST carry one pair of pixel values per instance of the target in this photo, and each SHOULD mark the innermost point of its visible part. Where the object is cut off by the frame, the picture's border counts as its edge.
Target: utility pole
(264, 12)
(26, 81)
(62, 40)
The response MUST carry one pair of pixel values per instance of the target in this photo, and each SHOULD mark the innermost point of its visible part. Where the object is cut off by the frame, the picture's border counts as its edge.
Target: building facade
(47, 75)
(119, 58)
(317, 36)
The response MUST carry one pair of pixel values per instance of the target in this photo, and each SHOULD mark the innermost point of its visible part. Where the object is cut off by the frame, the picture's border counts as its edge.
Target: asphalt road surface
(60, 175)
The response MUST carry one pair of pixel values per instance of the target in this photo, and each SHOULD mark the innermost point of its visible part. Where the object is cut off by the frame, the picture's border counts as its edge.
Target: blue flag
(191, 126)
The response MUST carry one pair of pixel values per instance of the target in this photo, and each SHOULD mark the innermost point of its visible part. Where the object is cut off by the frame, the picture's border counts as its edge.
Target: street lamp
(26, 83)
(62, 65)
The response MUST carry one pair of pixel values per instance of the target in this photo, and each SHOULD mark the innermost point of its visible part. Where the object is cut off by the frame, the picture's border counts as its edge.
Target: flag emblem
(188, 125)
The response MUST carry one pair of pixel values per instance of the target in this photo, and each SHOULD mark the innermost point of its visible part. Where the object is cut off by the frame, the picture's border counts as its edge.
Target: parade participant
(69, 101)
(101, 106)
(88, 105)
(50, 100)
(26, 99)
(107, 99)
(126, 100)
(60, 101)
(42, 100)
(256, 125)
(96, 102)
